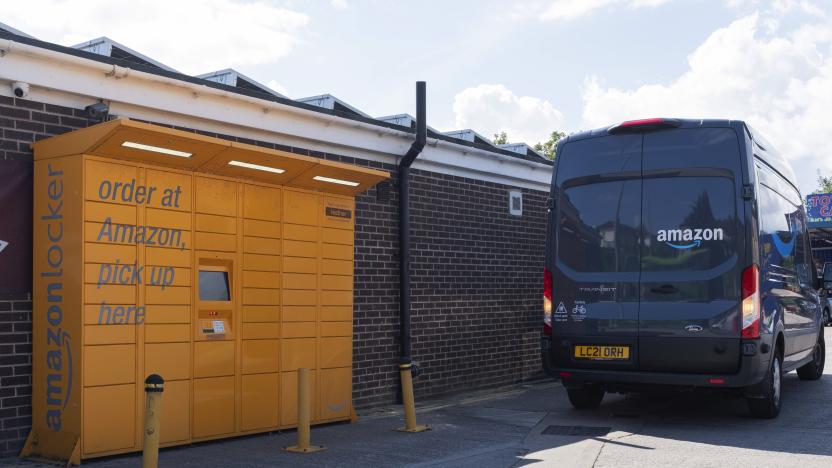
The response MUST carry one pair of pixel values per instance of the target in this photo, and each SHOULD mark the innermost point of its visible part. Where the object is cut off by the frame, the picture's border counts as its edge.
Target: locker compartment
(335, 352)
(114, 314)
(336, 313)
(168, 314)
(336, 282)
(296, 353)
(336, 393)
(300, 232)
(260, 356)
(98, 211)
(299, 313)
(254, 227)
(299, 329)
(292, 248)
(109, 293)
(213, 358)
(167, 257)
(261, 245)
(337, 329)
(111, 182)
(300, 265)
(107, 253)
(336, 267)
(175, 419)
(215, 196)
(109, 418)
(168, 218)
(173, 295)
(261, 313)
(173, 190)
(338, 212)
(170, 360)
(337, 236)
(289, 397)
(259, 331)
(261, 202)
(255, 296)
(255, 262)
(261, 279)
(336, 298)
(217, 224)
(169, 276)
(337, 251)
(213, 406)
(301, 207)
(260, 401)
(167, 333)
(109, 365)
(300, 281)
(109, 334)
(300, 297)
(213, 241)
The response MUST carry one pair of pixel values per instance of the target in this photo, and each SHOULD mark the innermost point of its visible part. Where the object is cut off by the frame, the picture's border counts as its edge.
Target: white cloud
(339, 4)
(565, 10)
(193, 36)
(273, 84)
(780, 84)
(493, 108)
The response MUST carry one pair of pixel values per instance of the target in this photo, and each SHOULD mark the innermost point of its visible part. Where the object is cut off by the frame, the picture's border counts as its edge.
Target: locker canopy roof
(161, 146)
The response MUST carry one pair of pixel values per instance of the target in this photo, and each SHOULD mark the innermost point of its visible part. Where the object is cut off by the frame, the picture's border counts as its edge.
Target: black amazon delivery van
(677, 255)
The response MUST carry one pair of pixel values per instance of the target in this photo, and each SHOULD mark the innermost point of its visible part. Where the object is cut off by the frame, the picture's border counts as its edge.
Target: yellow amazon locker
(223, 267)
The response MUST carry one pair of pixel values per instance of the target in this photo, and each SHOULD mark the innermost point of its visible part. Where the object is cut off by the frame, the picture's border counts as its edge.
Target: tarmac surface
(534, 425)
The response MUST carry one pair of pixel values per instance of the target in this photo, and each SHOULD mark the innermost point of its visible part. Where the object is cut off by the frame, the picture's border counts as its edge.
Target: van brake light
(643, 125)
(751, 302)
(547, 302)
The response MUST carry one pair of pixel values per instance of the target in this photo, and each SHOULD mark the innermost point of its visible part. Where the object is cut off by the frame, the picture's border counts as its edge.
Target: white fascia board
(132, 93)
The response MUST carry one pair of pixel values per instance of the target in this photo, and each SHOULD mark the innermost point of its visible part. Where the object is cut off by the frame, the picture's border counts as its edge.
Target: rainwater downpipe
(405, 359)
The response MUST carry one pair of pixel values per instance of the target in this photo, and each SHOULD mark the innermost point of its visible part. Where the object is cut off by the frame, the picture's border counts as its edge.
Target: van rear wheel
(768, 407)
(814, 369)
(586, 397)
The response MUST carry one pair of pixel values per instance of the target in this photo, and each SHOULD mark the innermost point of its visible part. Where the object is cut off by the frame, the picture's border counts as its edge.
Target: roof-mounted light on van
(642, 125)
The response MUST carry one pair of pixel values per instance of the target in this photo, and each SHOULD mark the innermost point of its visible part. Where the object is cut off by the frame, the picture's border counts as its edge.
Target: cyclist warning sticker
(560, 313)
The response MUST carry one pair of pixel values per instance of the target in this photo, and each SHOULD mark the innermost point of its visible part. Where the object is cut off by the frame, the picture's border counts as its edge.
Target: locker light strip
(156, 149)
(336, 181)
(256, 167)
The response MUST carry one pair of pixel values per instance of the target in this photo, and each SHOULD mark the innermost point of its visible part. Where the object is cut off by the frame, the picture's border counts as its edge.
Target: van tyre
(768, 407)
(814, 369)
(586, 397)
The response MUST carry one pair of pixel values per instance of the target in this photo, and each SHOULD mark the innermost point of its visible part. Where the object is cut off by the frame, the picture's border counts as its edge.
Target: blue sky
(525, 67)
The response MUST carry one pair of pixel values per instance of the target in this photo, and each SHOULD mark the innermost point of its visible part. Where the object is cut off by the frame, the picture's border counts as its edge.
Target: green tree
(824, 184)
(500, 138)
(548, 147)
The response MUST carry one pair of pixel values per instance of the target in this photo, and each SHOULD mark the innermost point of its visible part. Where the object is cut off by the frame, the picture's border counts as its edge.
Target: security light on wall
(515, 203)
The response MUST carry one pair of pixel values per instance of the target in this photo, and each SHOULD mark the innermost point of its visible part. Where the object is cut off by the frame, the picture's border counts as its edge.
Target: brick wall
(476, 279)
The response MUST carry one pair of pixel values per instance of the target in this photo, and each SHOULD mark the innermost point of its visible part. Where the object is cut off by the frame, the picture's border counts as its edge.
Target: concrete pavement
(535, 425)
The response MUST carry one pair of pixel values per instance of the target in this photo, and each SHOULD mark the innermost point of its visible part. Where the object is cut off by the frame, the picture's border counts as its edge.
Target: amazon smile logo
(688, 238)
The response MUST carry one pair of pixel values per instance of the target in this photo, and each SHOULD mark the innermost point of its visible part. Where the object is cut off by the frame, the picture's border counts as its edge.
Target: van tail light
(751, 302)
(547, 302)
(643, 125)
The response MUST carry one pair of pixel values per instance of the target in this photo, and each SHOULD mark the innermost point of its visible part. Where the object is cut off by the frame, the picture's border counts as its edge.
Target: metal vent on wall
(515, 203)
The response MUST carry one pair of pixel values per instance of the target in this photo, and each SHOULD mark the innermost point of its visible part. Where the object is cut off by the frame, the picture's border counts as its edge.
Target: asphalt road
(512, 427)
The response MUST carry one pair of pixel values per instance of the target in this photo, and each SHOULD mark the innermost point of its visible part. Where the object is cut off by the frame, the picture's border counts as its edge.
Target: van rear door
(596, 259)
(692, 251)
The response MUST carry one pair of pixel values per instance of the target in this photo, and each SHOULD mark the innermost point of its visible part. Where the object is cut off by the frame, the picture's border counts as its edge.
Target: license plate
(602, 353)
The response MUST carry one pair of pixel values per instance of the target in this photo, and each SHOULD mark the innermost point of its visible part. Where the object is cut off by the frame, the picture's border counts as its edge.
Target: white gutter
(193, 105)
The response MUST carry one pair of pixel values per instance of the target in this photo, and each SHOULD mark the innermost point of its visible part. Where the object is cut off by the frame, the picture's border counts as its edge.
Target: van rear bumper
(752, 370)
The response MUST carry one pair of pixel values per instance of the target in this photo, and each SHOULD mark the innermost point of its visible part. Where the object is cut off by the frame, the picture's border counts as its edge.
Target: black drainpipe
(404, 221)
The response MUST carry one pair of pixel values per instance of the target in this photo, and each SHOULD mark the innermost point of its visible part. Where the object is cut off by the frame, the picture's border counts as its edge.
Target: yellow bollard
(304, 410)
(408, 402)
(154, 385)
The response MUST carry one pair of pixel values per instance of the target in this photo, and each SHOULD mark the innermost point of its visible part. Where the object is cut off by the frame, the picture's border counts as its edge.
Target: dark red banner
(15, 228)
